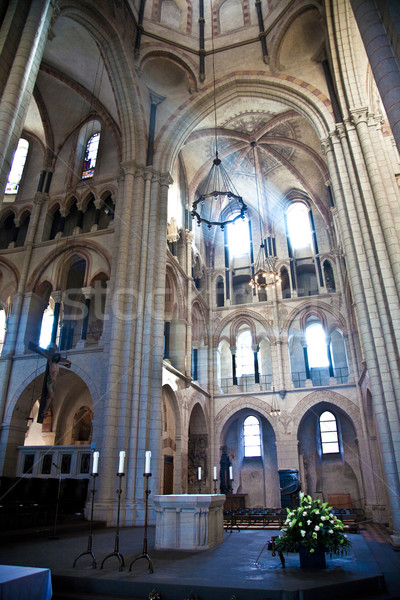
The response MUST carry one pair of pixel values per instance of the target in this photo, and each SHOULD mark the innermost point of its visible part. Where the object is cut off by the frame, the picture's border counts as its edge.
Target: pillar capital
(57, 296)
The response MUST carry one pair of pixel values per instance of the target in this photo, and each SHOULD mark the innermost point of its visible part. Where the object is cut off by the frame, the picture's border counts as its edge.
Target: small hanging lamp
(265, 273)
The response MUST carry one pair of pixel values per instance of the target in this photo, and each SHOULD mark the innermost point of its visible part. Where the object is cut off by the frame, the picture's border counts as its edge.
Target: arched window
(239, 238)
(316, 345)
(17, 167)
(244, 354)
(298, 225)
(46, 327)
(251, 437)
(329, 433)
(89, 162)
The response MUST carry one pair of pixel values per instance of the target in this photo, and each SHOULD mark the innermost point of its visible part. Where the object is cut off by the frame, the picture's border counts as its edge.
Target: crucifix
(54, 360)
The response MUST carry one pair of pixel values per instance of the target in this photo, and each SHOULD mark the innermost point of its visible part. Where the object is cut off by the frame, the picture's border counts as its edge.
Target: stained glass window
(89, 162)
(17, 167)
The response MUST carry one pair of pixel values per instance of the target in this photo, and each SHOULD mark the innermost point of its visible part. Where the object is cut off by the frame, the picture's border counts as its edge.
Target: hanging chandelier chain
(265, 274)
(217, 202)
(214, 86)
(253, 144)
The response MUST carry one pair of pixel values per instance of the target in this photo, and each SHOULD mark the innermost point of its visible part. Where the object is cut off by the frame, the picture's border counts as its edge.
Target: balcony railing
(245, 383)
(320, 377)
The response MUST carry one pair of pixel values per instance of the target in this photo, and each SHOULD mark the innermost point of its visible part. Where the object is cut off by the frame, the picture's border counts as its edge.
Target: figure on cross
(54, 360)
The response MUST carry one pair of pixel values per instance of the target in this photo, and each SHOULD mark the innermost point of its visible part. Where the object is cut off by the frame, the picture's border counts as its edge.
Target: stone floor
(242, 568)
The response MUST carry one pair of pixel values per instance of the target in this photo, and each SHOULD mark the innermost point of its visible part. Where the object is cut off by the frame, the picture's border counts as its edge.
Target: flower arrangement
(313, 525)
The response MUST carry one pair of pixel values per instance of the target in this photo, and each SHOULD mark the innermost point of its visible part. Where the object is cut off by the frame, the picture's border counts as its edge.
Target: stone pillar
(256, 370)
(381, 54)
(189, 282)
(234, 378)
(24, 32)
(88, 294)
(379, 370)
(57, 297)
(305, 354)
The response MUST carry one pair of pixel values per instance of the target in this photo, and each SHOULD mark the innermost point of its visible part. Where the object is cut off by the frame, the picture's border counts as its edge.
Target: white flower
(317, 512)
(323, 518)
(330, 531)
(308, 522)
(303, 533)
(305, 513)
(317, 528)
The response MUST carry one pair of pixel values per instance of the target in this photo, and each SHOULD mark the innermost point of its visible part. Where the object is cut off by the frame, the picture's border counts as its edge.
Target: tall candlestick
(147, 470)
(199, 473)
(215, 473)
(95, 466)
(121, 461)
(230, 473)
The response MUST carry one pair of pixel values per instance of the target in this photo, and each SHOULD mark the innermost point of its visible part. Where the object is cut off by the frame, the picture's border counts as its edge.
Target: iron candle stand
(215, 485)
(116, 545)
(90, 538)
(146, 516)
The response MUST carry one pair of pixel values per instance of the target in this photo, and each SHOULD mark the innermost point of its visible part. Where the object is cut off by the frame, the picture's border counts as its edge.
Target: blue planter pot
(315, 560)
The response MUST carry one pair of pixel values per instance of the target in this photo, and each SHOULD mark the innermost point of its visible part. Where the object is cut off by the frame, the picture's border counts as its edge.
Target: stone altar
(189, 521)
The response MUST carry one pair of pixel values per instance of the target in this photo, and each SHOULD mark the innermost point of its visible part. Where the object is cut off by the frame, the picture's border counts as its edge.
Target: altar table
(25, 583)
(189, 521)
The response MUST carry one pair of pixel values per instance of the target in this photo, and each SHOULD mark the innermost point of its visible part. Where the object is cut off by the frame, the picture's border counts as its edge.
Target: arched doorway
(197, 450)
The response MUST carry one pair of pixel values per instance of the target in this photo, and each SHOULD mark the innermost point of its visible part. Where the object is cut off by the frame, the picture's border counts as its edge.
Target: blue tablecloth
(25, 583)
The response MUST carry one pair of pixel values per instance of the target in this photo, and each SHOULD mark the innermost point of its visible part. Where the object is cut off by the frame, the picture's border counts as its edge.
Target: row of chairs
(273, 518)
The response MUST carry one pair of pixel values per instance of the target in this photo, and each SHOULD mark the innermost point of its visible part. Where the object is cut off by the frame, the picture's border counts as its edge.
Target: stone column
(189, 282)
(381, 387)
(381, 55)
(24, 32)
(88, 294)
(234, 378)
(256, 370)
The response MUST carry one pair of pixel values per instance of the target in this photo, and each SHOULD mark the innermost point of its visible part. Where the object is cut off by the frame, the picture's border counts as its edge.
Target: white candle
(230, 473)
(199, 473)
(147, 462)
(215, 472)
(121, 461)
(95, 466)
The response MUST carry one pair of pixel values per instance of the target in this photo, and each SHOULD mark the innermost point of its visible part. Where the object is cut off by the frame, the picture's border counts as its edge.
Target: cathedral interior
(252, 334)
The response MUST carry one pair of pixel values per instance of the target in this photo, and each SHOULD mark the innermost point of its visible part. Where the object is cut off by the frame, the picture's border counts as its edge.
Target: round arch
(106, 35)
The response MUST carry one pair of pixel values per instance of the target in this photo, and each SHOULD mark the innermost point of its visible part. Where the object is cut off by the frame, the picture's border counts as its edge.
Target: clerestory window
(17, 167)
(89, 163)
(298, 225)
(316, 345)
